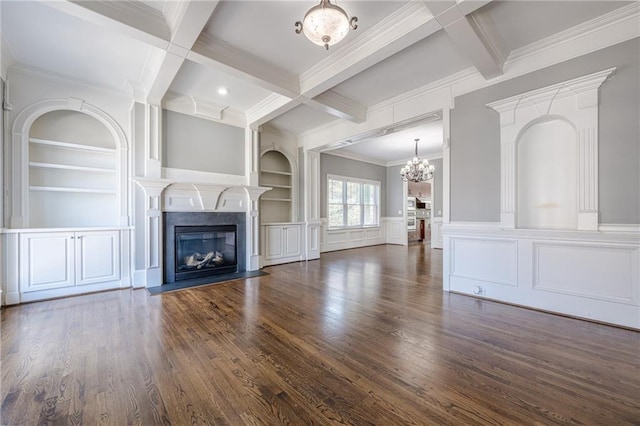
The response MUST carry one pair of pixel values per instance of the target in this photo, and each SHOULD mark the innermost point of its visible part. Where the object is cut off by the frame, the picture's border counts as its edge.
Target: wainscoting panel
(436, 232)
(395, 230)
(485, 260)
(592, 275)
(600, 272)
(351, 238)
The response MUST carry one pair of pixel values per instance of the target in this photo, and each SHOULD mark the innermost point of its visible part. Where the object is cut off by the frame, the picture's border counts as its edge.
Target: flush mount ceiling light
(417, 170)
(325, 24)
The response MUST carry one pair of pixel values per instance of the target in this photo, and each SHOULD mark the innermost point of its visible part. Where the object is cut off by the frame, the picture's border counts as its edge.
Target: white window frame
(345, 180)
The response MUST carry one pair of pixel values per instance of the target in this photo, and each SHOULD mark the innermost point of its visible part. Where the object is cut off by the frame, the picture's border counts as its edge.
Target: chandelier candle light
(325, 24)
(417, 170)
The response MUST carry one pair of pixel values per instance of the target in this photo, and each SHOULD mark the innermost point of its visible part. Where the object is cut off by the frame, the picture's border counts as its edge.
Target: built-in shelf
(70, 145)
(276, 199)
(70, 167)
(275, 185)
(77, 190)
(276, 172)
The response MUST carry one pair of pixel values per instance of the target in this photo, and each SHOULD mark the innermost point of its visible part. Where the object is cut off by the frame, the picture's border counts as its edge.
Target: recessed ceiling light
(223, 91)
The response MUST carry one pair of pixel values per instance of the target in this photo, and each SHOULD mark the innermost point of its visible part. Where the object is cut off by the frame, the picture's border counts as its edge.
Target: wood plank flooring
(362, 336)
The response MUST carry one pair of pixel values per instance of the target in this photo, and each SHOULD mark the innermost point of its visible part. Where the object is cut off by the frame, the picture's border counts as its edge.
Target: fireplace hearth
(201, 244)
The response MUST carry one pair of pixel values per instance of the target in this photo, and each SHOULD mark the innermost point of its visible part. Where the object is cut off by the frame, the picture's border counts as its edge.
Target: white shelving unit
(276, 172)
(72, 184)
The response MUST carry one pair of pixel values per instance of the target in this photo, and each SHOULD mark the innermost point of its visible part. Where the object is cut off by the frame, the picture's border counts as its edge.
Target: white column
(153, 141)
(312, 203)
(446, 165)
(252, 156)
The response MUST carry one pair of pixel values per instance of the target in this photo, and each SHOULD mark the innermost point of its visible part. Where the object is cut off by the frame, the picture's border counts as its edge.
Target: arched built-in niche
(69, 167)
(278, 171)
(576, 103)
(547, 175)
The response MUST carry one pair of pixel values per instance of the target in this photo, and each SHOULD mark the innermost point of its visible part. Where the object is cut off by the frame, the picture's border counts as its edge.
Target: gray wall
(333, 165)
(475, 137)
(194, 143)
(395, 200)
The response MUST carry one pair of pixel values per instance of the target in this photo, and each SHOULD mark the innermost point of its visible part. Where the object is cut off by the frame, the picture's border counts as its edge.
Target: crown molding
(612, 23)
(553, 92)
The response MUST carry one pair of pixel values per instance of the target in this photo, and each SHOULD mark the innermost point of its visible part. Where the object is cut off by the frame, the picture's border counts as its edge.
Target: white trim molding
(575, 101)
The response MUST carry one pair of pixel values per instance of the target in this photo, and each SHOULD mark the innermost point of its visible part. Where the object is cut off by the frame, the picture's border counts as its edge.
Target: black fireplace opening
(205, 250)
(201, 244)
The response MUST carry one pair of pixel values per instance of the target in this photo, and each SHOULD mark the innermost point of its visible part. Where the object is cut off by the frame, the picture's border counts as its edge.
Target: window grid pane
(352, 203)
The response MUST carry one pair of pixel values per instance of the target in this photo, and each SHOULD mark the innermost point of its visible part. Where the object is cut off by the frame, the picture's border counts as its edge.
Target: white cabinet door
(47, 261)
(273, 242)
(97, 257)
(291, 240)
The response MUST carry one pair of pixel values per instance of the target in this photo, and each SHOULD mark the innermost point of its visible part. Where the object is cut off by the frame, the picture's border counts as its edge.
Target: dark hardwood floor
(363, 336)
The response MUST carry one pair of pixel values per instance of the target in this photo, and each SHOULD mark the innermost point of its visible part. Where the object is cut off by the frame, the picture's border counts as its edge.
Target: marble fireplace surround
(166, 195)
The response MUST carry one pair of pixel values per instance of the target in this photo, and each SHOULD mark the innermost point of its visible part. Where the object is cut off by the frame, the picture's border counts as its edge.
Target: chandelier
(325, 24)
(417, 170)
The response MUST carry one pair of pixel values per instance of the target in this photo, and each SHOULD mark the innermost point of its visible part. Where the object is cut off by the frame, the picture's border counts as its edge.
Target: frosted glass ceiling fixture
(325, 24)
(417, 170)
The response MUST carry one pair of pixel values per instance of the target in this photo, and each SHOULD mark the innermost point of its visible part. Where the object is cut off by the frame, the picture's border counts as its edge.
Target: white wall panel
(484, 260)
(601, 272)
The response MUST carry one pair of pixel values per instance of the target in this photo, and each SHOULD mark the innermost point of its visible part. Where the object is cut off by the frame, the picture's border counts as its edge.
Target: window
(352, 202)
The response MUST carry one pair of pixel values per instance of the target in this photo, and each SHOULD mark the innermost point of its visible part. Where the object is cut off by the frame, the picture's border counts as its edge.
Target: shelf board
(276, 172)
(276, 199)
(69, 167)
(70, 145)
(67, 189)
(275, 185)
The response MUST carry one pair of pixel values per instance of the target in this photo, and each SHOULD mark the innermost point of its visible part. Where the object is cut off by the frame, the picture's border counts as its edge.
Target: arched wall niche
(573, 102)
(546, 180)
(23, 166)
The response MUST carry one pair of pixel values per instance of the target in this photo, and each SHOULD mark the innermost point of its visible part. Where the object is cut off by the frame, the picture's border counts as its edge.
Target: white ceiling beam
(404, 27)
(469, 35)
(339, 106)
(218, 54)
(401, 29)
(133, 19)
(187, 24)
(269, 108)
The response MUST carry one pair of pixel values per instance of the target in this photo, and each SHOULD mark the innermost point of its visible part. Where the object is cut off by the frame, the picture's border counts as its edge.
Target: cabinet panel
(274, 242)
(47, 260)
(291, 241)
(97, 258)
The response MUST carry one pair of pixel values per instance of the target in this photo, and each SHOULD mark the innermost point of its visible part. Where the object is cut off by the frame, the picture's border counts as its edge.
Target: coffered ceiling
(178, 53)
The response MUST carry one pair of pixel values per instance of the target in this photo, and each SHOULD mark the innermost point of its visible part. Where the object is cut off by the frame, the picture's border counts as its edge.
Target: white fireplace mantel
(174, 195)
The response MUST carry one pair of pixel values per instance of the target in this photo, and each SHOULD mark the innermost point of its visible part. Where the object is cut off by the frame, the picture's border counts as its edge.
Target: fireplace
(201, 244)
(204, 250)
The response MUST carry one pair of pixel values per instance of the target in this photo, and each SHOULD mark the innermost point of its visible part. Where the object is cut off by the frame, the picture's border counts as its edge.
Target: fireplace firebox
(201, 244)
(204, 250)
